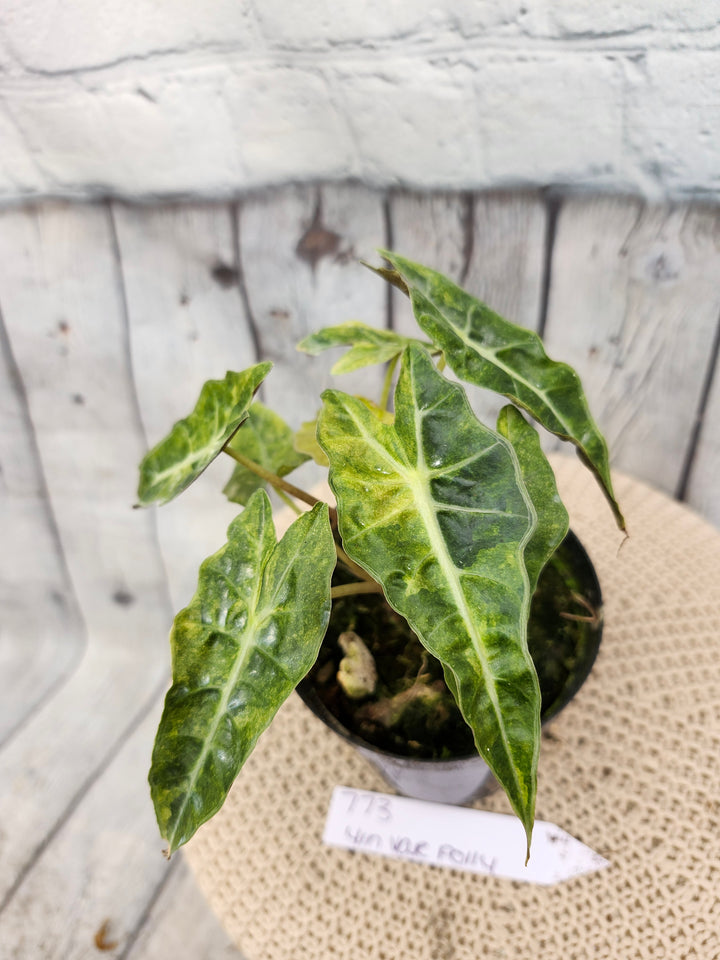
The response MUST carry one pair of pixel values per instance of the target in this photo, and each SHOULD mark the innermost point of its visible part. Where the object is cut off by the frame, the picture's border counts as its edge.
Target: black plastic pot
(459, 780)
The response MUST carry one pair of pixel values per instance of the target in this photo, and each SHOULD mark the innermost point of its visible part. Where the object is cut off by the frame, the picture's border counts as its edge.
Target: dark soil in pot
(411, 712)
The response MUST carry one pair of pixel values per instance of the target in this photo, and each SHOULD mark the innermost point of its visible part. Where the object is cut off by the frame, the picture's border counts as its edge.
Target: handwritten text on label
(459, 837)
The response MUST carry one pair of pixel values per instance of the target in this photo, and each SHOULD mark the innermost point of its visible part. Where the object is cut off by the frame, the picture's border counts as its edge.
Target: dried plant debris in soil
(408, 709)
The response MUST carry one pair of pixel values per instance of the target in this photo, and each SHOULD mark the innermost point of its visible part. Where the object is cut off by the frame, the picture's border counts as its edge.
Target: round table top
(631, 767)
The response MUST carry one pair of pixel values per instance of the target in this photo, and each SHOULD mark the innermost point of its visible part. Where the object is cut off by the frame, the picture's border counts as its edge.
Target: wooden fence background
(112, 317)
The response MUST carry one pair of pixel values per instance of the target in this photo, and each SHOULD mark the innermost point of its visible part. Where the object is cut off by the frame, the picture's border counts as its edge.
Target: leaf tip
(391, 276)
(528, 838)
(263, 369)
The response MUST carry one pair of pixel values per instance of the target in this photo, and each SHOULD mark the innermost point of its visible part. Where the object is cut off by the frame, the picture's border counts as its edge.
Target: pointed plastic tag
(459, 837)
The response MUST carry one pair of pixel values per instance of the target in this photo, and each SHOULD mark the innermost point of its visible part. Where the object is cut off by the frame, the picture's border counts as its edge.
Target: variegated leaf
(539, 480)
(434, 507)
(306, 442)
(193, 443)
(484, 349)
(368, 345)
(250, 634)
(265, 438)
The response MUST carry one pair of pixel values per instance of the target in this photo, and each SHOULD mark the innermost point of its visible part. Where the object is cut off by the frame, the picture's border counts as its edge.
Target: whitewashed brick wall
(152, 97)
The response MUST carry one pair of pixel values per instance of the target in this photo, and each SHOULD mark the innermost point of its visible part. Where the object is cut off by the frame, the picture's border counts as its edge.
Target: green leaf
(368, 345)
(265, 438)
(193, 443)
(552, 525)
(306, 442)
(483, 348)
(250, 634)
(435, 509)
(386, 416)
(306, 437)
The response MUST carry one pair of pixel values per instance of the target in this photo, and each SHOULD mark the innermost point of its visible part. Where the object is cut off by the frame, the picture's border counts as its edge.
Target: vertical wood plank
(63, 313)
(508, 255)
(634, 302)
(187, 325)
(41, 637)
(432, 229)
(493, 245)
(103, 865)
(300, 248)
(703, 490)
(181, 925)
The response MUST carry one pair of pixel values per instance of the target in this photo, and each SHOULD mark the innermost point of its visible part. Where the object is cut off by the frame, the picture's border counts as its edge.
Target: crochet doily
(631, 767)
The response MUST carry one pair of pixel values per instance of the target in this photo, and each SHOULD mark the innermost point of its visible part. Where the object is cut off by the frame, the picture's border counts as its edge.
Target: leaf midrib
(193, 457)
(425, 501)
(491, 357)
(417, 481)
(245, 648)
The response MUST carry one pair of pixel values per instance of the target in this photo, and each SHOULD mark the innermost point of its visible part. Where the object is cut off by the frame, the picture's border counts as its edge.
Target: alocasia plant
(451, 520)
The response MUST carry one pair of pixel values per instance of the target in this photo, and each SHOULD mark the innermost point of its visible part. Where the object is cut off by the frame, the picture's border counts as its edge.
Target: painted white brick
(673, 118)
(617, 16)
(413, 122)
(286, 125)
(329, 23)
(115, 139)
(205, 132)
(207, 100)
(19, 174)
(48, 36)
(551, 119)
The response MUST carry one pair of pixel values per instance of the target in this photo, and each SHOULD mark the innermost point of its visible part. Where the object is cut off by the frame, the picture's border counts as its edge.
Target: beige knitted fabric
(631, 768)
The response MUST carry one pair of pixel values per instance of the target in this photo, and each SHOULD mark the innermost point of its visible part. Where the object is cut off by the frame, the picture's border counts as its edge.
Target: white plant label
(459, 837)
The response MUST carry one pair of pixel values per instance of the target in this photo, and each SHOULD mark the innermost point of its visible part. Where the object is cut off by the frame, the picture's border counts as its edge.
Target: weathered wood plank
(187, 325)
(634, 302)
(493, 245)
(300, 248)
(507, 259)
(76, 825)
(41, 636)
(703, 491)
(433, 229)
(181, 925)
(62, 308)
(102, 868)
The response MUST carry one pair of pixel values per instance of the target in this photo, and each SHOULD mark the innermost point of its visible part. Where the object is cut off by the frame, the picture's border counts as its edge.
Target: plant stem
(277, 482)
(351, 565)
(282, 487)
(387, 384)
(348, 589)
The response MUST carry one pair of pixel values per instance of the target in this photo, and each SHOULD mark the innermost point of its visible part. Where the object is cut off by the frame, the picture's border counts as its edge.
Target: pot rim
(307, 694)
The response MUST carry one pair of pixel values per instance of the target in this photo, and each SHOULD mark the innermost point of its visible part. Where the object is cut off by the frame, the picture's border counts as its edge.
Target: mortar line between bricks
(342, 54)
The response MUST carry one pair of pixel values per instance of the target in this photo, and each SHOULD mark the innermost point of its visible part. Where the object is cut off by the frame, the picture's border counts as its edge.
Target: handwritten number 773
(369, 805)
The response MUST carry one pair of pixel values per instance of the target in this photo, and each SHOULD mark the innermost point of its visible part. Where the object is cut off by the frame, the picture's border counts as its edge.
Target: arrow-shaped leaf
(483, 348)
(193, 443)
(540, 483)
(265, 438)
(368, 345)
(434, 507)
(250, 634)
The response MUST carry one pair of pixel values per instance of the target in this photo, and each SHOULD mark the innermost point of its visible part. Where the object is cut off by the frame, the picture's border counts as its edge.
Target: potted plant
(444, 521)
